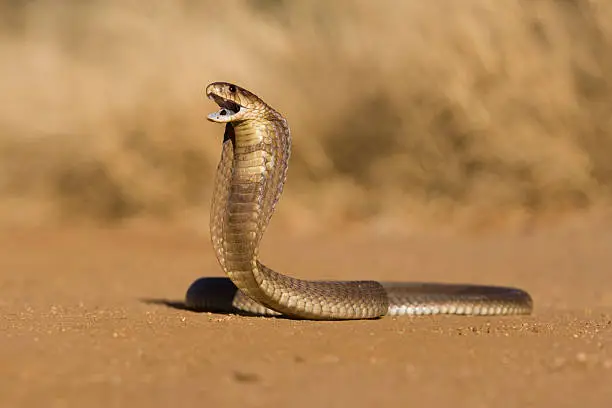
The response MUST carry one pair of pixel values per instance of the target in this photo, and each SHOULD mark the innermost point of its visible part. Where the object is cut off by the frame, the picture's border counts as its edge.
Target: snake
(248, 184)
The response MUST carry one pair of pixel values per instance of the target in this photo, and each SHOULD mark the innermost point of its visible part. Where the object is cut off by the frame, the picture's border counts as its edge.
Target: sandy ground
(83, 323)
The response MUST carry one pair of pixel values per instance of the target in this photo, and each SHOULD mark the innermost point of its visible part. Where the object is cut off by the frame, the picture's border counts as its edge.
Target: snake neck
(250, 180)
(261, 151)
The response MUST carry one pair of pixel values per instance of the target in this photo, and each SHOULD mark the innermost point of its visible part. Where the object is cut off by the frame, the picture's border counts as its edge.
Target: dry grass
(420, 110)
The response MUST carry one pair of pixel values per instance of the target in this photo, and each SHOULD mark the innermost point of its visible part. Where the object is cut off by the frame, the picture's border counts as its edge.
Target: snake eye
(232, 88)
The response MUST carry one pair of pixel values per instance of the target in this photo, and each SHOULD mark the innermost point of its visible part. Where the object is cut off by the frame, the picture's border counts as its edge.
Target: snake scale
(248, 184)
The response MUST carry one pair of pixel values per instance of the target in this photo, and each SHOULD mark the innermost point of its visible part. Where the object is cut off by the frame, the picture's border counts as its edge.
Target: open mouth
(228, 108)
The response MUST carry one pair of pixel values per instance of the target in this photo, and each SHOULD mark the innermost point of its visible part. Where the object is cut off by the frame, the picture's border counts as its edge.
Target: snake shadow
(208, 295)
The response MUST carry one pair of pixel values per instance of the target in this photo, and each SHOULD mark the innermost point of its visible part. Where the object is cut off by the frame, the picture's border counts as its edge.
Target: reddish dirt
(83, 324)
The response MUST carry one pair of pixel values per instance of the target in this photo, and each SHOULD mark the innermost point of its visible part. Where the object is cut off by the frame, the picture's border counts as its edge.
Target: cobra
(248, 185)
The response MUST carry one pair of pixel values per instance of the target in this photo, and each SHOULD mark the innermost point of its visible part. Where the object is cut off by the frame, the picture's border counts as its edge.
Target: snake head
(236, 103)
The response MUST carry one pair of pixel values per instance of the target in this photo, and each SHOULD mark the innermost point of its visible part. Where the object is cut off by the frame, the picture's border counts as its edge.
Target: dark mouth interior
(225, 104)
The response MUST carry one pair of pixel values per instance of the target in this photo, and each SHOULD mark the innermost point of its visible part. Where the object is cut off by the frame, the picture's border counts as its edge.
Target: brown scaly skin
(248, 184)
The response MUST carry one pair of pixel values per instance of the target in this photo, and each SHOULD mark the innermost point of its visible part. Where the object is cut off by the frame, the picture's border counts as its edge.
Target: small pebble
(581, 357)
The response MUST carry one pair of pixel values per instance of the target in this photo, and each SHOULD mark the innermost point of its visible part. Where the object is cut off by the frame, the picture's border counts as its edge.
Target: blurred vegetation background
(477, 111)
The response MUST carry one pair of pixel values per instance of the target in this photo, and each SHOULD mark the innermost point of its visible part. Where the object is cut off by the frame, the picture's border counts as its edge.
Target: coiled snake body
(248, 184)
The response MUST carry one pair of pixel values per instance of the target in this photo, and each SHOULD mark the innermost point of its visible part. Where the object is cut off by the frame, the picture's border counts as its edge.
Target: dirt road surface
(86, 319)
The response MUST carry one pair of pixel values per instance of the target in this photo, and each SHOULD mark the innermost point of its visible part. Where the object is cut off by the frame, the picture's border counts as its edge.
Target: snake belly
(248, 184)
